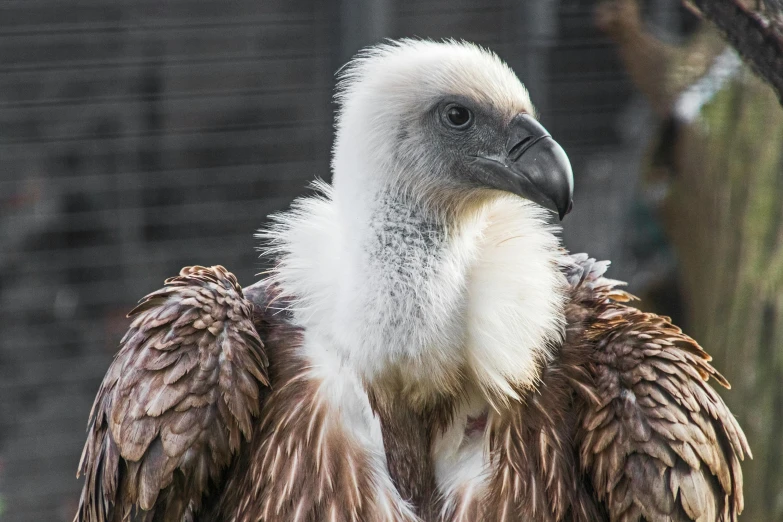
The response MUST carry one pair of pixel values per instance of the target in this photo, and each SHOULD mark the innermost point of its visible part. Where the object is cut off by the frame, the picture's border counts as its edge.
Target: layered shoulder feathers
(181, 396)
(655, 438)
(623, 426)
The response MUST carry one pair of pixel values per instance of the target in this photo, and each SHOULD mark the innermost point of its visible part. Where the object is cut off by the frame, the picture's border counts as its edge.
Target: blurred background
(138, 136)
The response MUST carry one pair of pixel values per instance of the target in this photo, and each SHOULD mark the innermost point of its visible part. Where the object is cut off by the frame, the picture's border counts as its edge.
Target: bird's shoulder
(177, 402)
(653, 434)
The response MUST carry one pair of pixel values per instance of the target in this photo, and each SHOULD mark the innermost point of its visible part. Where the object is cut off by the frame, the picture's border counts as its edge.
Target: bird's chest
(430, 455)
(333, 443)
(437, 457)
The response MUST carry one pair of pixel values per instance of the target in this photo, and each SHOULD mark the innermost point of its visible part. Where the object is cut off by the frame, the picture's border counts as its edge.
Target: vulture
(422, 349)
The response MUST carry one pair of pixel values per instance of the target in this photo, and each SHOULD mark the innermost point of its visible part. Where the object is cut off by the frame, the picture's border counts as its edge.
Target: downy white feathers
(385, 276)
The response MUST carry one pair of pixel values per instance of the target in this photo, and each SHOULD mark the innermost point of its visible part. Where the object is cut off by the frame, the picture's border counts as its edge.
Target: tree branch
(756, 37)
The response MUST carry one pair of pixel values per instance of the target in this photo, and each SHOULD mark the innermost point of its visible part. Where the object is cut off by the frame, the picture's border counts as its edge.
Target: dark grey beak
(534, 167)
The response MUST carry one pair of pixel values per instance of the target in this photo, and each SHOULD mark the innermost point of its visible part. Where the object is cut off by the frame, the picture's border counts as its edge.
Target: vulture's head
(443, 122)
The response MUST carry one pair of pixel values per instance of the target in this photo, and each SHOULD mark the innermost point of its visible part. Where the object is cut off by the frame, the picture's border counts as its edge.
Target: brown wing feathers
(655, 438)
(176, 402)
(302, 464)
(624, 425)
(535, 471)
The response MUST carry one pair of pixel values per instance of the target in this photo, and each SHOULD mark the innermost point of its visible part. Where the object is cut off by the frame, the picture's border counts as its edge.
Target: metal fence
(138, 136)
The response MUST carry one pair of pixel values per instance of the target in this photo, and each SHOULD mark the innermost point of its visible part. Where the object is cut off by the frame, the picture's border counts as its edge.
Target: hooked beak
(534, 167)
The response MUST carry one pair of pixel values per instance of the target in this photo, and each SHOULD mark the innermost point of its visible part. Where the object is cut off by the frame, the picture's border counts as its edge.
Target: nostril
(516, 149)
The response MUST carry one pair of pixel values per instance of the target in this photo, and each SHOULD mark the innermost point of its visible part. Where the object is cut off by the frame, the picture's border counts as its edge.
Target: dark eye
(459, 117)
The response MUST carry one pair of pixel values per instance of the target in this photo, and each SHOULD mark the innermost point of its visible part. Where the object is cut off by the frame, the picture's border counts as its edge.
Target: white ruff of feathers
(492, 301)
(385, 274)
(371, 286)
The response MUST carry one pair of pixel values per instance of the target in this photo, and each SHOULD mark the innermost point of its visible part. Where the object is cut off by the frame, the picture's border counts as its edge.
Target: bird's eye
(459, 117)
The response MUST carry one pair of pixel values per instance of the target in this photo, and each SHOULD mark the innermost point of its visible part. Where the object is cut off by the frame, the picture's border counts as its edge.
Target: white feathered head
(436, 118)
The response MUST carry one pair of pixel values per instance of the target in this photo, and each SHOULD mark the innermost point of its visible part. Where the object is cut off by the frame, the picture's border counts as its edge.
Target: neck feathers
(421, 302)
(515, 299)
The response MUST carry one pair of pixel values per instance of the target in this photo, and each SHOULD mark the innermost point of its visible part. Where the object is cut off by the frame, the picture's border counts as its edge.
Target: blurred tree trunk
(718, 177)
(723, 214)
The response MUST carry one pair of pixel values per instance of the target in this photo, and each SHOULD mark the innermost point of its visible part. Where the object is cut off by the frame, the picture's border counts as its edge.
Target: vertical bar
(533, 33)
(362, 23)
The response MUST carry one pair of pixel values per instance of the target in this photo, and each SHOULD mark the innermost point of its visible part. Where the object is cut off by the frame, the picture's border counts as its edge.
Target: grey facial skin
(533, 166)
(517, 155)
